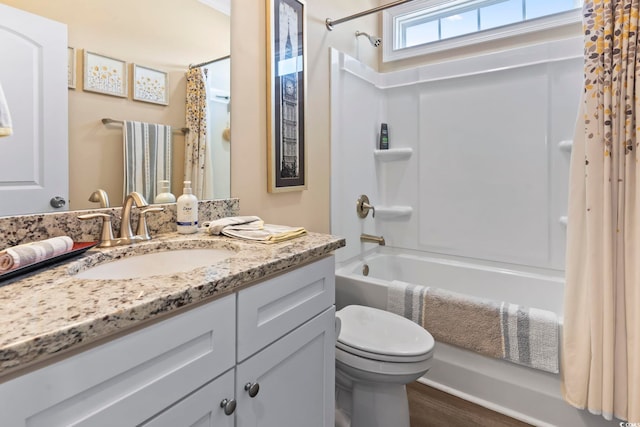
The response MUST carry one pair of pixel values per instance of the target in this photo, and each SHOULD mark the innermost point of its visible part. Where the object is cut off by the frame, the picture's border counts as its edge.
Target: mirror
(166, 35)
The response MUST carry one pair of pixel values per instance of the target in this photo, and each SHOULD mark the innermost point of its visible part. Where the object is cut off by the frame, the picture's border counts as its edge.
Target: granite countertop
(50, 312)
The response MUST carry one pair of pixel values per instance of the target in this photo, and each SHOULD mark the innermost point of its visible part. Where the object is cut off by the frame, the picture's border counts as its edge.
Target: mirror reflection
(166, 37)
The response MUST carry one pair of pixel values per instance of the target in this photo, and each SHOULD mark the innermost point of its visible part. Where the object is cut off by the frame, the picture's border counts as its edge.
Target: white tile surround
(486, 179)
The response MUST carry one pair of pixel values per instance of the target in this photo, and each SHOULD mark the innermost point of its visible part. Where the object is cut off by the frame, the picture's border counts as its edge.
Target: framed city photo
(103, 74)
(150, 85)
(286, 95)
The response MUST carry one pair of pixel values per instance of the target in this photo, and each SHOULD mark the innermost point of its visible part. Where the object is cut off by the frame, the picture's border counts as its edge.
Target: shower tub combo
(521, 392)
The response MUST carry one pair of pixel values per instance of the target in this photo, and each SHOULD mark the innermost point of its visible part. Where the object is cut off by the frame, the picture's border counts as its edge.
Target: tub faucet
(372, 239)
(126, 232)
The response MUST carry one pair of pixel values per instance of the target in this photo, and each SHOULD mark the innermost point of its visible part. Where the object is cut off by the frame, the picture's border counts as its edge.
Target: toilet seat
(382, 336)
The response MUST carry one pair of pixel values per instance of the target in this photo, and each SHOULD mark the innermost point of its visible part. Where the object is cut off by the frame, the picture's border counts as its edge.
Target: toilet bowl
(377, 354)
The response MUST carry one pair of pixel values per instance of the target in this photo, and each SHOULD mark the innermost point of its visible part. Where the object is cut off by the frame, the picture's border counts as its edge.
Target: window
(424, 26)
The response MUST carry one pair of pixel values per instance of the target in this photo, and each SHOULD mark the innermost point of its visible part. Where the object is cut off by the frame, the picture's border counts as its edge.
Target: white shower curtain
(601, 333)
(196, 138)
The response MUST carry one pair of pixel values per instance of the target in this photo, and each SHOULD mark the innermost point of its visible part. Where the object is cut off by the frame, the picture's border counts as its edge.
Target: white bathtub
(526, 394)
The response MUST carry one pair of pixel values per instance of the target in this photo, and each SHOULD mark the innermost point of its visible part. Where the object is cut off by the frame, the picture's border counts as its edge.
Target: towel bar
(120, 122)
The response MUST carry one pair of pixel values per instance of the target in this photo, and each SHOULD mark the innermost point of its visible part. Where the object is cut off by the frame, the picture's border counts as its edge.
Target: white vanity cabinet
(286, 346)
(277, 337)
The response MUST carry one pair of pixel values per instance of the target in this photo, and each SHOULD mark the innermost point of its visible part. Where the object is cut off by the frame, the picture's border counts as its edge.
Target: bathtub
(523, 393)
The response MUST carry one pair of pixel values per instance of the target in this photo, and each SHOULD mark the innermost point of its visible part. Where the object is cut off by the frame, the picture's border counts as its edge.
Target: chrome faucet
(126, 232)
(372, 239)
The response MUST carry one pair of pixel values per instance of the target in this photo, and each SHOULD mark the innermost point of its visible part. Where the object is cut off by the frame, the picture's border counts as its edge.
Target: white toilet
(377, 354)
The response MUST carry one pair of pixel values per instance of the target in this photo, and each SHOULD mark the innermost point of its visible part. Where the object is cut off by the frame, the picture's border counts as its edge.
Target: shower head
(375, 41)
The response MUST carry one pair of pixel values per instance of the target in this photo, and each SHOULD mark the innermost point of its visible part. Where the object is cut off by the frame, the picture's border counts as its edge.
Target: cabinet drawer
(129, 379)
(277, 306)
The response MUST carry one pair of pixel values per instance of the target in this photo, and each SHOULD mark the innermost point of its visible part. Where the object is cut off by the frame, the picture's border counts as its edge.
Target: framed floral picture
(71, 67)
(150, 85)
(103, 74)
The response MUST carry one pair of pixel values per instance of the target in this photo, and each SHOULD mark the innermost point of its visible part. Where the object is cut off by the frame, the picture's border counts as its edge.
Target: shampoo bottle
(187, 211)
(164, 196)
(384, 137)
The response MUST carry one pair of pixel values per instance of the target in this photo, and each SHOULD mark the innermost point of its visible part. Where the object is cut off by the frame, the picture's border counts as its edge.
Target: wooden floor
(429, 407)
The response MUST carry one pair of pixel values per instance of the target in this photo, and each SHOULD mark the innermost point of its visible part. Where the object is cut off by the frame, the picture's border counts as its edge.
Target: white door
(34, 161)
(294, 377)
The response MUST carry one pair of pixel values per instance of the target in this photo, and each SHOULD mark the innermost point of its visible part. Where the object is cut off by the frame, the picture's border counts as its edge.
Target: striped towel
(530, 336)
(147, 157)
(5, 118)
(521, 335)
(31, 253)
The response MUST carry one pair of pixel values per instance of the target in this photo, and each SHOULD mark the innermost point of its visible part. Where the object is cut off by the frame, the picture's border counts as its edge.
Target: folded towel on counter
(238, 222)
(270, 233)
(526, 336)
(6, 128)
(31, 253)
(254, 229)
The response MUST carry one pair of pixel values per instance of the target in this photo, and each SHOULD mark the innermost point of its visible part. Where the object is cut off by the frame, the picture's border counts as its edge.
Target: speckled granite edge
(28, 228)
(48, 313)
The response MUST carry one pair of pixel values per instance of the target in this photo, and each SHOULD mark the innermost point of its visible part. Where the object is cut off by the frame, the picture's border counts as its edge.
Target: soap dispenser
(164, 196)
(187, 211)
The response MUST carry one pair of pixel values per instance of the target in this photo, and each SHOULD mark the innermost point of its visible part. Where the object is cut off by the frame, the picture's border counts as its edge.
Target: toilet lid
(379, 332)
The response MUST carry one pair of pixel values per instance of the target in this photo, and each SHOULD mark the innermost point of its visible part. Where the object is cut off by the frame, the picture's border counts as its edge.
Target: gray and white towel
(6, 127)
(526, 336)
(147, 157)
(530, 336)
(31, 253)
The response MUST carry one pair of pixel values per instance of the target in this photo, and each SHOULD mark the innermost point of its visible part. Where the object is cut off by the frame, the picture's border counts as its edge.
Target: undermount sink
(156, 263)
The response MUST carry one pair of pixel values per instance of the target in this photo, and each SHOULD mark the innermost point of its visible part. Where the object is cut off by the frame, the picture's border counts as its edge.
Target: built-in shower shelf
(393, 154)
(393, 212)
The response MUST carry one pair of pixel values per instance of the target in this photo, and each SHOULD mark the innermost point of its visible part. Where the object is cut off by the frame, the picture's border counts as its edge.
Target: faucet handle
(106, 236)
(363, 207)
(142, 230)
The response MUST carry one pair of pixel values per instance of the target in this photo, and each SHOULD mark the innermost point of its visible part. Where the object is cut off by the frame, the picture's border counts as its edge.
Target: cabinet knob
(229, 406)
(252, 389)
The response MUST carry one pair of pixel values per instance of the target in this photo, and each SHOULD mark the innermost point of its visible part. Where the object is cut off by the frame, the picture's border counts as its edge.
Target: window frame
(389, 32)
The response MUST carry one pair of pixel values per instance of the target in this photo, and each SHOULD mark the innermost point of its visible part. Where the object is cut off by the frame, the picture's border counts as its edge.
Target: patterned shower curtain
(196, 139)
(601, 334)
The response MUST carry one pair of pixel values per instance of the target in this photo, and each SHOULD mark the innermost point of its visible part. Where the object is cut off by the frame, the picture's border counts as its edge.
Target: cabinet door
(296, 379)
(200, 409)
(277, 306)
(130, 379)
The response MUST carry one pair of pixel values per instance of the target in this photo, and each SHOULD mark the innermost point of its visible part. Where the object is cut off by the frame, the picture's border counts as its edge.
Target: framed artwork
(150, 85)
(286, 95)
(103, 74)
(71, 67)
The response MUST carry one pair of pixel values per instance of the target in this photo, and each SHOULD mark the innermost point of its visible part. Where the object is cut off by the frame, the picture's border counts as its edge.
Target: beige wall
(309, 208)
(164, 34)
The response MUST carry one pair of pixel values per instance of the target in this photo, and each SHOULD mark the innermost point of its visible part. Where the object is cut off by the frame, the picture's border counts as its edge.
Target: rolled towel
(31, 253)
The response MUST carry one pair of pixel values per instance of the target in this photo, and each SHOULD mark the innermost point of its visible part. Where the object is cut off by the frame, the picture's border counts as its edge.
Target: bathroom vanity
(246, 341)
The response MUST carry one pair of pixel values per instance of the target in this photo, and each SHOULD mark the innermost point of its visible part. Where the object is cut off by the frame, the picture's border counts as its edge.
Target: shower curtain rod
(107, 121)
(202, 64)
(330, 22)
